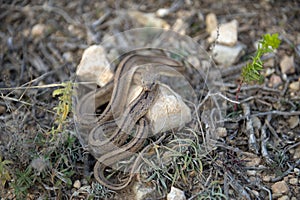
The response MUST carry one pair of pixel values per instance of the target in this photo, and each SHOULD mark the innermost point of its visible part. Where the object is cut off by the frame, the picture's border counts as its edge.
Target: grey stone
(176, 194)
(226, 55)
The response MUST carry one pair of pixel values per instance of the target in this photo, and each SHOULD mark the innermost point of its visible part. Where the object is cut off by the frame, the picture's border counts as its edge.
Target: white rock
(176, 194)
(162, 12)
(228, 34)
(169, 111)
(226, 55)
(77, 184)
(211, 22)
(287, 65)
(94, 66)
(148, 19)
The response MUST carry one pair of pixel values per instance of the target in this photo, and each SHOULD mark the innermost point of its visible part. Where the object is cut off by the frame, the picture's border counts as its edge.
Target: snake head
(149, 81)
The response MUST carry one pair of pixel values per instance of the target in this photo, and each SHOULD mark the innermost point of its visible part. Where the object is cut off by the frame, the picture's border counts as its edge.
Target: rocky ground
(256, 152)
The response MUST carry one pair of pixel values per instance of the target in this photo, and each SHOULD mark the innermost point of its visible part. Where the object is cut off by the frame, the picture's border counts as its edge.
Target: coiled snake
(110, 139)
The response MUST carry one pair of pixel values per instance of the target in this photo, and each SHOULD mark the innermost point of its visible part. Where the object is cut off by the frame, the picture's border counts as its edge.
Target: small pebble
(38, 30)
(221, 132)
(280, 187)
(77, 184)
(285, 197)
(148, 19)
(293, 121)
(162, 12)
(227, 34)
(295, 86)
(275, 80)
(176, 194)
(211, 22)
(287, 65)
(293, 181)
(296, 156)
(256, 193)
(2, 109)
(269, 71)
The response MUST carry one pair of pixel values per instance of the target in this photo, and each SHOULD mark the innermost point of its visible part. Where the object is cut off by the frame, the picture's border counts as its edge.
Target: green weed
(64, 106)
(178, 163)
(23, 181)
(213, 192)
(251, 73)
(4, 172)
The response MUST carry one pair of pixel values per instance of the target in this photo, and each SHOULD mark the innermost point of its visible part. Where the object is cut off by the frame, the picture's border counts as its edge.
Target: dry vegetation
(40, 156)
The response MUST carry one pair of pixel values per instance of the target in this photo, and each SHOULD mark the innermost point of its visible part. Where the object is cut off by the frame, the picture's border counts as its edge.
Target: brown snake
(136, 110)
(85, 109)
(107, 138)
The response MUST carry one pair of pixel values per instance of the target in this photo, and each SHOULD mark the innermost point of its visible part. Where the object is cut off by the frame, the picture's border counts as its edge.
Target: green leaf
(271, 40)
(251, 72)
(57, 92)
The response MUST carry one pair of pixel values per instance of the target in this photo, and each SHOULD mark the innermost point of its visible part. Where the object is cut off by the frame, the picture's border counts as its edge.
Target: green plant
(214, 192)
(100, 192)
(64, 106)
(62, 109)
(186, 160)
(280, 159)
(4, 173)
(251, 72)
(60, 159)
(176, 163)
(23, 181)
(55, 156)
